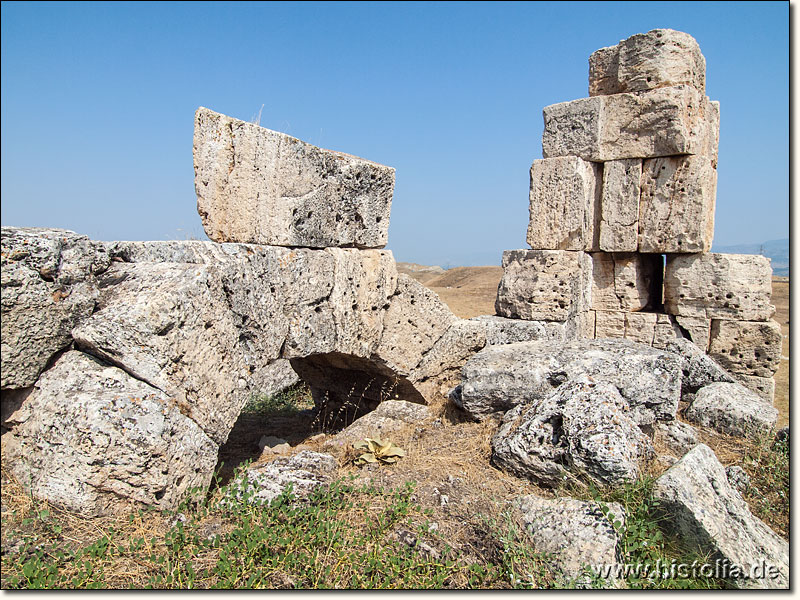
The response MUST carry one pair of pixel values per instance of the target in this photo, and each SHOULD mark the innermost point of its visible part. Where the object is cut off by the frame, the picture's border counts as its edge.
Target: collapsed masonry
(622, 217)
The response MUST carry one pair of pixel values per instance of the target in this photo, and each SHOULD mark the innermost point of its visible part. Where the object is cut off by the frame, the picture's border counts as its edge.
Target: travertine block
(697, 329)
(609, 324)
(746, 347)
(718, 286)
(640, 327)
(619, 205)
(676, 212)
(762, 386)
(662, 122)
(259, 186)
(645, 61)
(563, 195)
(625, 281)
(544, 285)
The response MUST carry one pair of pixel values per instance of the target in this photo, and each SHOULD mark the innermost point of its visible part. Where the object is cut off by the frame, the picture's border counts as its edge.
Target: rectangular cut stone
(762, 386)
(718, 286)
(640, 327)
(666, 330)
(619, 206)
(609, 324)
(603, 71)
(259, 186)
(544, 285)
(676, 213)
(696, 329)
(563, 194)
(746, 347)
(661, 122)
(625, 281)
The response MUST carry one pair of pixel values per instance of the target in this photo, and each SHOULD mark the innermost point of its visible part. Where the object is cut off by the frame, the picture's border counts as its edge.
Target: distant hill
(776, 250)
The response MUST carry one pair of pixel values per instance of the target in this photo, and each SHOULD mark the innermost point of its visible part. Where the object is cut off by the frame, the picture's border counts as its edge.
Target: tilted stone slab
(746, 347)
(544, 285)
(733, 409)
(619, 206)
(259, 186)
(49, 285)
(564, 194)
(645, 61)
(764, 387)
(90, 438)
(661, 122)
(710, 515)
(625, 281)
(719, 286)
(676, 212)
(699, 370)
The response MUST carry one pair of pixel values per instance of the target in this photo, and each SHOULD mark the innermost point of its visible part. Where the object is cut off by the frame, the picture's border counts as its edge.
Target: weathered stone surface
(625, 281)
(501, 330)
(603, 71)
(665, 331)
(733, 409)
(698, 369)
(619, 206)
(738, 478)
(661, 122)
(719, 286)
(564, 196)
(576, 534)
(640, 327)
(278, 376)
(676, 212)
(48, 287)
(677, 436)
(696, 329)
(745, 347)
(259, 186)
(581, 429)
(763, 387)
(500, 377)
(306, 471)
(708, 513)
(609, 324)
(389, 417)
(544, 285)
(91, 438)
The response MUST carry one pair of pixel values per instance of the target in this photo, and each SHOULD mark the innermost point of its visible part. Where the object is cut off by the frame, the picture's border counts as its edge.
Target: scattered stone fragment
(738, 478)
(733, 409)
(698, 369)
(677, 436)
(270, 441)
(389, 417)
(709, 514)
(259, 186)
(619, 206)
(745, 347)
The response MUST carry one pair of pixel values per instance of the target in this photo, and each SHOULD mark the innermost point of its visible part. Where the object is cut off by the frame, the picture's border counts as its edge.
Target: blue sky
(98, 103)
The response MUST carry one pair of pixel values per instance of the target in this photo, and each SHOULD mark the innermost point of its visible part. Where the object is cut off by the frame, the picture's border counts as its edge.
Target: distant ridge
(776, 250)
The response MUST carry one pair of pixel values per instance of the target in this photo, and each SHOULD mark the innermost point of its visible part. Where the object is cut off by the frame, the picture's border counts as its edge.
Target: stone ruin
(126, 364)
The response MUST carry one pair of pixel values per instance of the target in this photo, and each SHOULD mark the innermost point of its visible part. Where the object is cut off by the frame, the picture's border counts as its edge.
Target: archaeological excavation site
(620, 344)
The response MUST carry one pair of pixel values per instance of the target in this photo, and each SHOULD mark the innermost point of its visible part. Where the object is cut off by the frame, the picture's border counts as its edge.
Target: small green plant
(376, 451)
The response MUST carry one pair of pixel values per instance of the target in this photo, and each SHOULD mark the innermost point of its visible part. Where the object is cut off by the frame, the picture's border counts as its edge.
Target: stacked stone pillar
(622, 217)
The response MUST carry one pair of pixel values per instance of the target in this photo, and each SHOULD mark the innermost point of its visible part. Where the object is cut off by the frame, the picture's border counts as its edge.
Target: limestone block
(665, 331)
(500, 330)
(676, 212)
(698, 369)
(619, 205)
(640, 327)
(91, 438)
(733, 409)
(49, 285)
(603, 71)
(548, 285)
(259, 186)
(696, 329)
(609, 324)
(564, 194)
(746, 347)
(661, 122)
(625, 281)
(719, 286)
(761, 386)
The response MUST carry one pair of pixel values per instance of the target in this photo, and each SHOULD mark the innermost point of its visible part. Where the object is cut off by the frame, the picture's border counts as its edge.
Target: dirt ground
(470, 291)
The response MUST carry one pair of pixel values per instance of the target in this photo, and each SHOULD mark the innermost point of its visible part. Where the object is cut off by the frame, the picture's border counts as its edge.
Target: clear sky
(98, 102)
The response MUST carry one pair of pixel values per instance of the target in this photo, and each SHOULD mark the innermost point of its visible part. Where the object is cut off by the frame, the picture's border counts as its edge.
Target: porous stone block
(625, 281)
(746, 347)
(733, 409)
(719, 286)
(544, 285)
(661, 122)
(609, 324)
(645, 61)
(763, 387)
(696, 329)
(640, 327)
(665, 331)
(676, 212)
(259, 186)
(619, 205)
(564, 193)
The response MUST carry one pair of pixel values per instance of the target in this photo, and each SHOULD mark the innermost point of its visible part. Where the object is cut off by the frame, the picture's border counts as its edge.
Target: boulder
(645, 61)
(544, 285)
(583, 429)
(678, 437)
(718, 286)
(619, 205)
(259, 186)
(626, 281)
(500, 377)
(733, 409)
(563, 195)
(676, 212)
(710, 515)
(660, 122)
(92, 439)
(577, 534)
(49, 286)
(745, 347)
